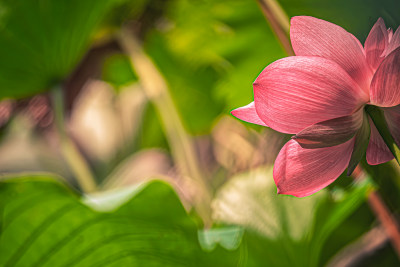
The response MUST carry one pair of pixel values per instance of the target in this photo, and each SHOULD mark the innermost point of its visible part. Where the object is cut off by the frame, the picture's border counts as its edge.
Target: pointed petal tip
(248, 113)
(381, 23)
(376, 43)
(394, 41)
(234, 113)
(386, 82)
(350, 170)
(279, 191)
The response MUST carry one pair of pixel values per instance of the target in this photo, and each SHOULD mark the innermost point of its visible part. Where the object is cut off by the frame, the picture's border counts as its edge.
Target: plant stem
(73, 157)
(374, 199)
(382, 212)
(278, 21)
(379, 120)
(180, 142)
(386, 219)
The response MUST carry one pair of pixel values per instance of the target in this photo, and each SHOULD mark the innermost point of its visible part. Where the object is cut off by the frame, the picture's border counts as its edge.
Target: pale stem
(382, 212)
(386, 219)
(278, 21)
(70, 152)
(182, 147)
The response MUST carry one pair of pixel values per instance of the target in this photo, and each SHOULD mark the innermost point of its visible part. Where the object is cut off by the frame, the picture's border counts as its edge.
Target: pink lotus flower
(320, 95)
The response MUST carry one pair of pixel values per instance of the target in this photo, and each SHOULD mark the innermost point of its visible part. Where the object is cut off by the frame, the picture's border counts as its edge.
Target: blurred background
(142, 89)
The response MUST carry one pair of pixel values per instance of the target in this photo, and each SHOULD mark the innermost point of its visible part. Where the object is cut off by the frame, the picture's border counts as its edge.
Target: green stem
(379, 120)
(181, 143)
(73, 157)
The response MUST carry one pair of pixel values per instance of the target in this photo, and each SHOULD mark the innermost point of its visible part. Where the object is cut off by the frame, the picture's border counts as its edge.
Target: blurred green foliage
(42, 41)
(44, 223)
(294, 230)
(209, 52)
(117, 71)
(356, 16)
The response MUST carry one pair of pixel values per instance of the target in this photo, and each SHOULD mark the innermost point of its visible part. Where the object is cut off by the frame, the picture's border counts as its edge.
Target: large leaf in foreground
(283, 230)
(43, 223)
(41, 41)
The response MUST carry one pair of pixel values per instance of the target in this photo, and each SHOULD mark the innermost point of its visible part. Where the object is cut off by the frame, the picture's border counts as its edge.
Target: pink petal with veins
(376, 43)
(301, 172)
(385, 86)
(377, 151)
(394, 42)
(296, 92)
(332, 132)
(248, 113)
(390, 34)
(315, 37)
